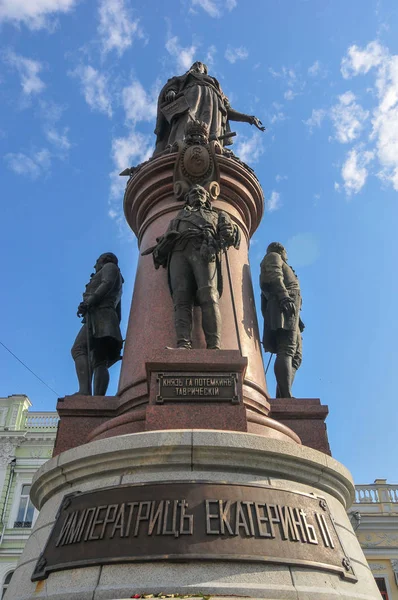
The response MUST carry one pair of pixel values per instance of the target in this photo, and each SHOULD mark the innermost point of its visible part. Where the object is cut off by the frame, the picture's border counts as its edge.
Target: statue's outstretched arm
(234, 115)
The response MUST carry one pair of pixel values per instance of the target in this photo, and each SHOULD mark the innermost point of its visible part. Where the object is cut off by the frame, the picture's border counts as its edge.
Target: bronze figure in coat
(99, 341)
(280, 306)
(191, 251)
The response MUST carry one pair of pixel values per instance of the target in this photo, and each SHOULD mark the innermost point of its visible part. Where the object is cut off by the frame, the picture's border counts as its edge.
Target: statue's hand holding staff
(85, 306)
(82, 309)
(226, 231)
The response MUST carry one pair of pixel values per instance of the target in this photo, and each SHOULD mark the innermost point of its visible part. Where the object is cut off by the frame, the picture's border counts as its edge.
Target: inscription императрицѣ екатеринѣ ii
(193, 521)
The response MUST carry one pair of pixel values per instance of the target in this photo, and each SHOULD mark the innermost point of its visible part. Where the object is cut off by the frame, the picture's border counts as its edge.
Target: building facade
(26, 442)
(374, 517)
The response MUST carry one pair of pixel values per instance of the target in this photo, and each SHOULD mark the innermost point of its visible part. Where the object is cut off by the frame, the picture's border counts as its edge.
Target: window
(25, 510)
(6, 583)
(381, 584)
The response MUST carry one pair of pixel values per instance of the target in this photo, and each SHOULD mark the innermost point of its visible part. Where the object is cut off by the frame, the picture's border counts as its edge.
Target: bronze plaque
(198, 387)
(177, 107)
(193, 521)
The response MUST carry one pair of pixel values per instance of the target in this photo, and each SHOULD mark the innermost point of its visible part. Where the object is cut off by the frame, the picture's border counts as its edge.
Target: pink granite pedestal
(306, 417)
(149, 205)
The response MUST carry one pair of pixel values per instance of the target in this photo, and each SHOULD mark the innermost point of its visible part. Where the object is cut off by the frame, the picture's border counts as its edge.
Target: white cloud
(32, 166)
(316, 118)
(210, 56)
(135, 148)
(28, 70)
(384, 133)
(33, 13)
(117, 28)
(288, 74)
(250, 149)
(315, 69)
(59, 140)
(127, 151)
(385, 120)
(361, 61)
(214, 8)
(348, 118)
(290, 79)
(274, 202)
(234, 54)
(278, 116)
(279, 178)
(285, 73)
(138, 105)
(354, 171)
(50, 111)
(95, 89)
(290, 95)
(184, 56)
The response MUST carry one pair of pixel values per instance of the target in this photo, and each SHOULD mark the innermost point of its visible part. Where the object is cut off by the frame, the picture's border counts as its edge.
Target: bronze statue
(195, 95)
(280, 306)
(99, 342)
(191, 250)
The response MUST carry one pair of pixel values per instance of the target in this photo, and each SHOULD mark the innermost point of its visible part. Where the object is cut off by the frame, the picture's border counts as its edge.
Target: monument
(192, 481)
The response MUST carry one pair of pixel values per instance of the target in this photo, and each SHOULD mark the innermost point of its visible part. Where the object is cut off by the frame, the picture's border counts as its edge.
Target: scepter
(233, 300)
(224, 247)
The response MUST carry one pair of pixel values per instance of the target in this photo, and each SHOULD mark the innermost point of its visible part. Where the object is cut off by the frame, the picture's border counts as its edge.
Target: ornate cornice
(8, 445)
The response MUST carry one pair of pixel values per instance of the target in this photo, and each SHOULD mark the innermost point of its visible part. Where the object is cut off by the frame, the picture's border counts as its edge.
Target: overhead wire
(30, 370)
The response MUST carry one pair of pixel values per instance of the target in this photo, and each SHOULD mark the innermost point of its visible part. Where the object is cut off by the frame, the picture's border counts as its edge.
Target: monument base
(297, 544)
(306, 417)
(183, 389)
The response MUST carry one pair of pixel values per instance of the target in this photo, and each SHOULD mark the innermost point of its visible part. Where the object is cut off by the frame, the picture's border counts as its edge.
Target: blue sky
(78, 88)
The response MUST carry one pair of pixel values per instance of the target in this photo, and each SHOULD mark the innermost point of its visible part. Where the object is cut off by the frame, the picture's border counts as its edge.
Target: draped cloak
(206, 101)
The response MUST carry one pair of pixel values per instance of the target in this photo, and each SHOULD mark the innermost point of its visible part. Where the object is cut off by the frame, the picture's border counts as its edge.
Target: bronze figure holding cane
(280, 306)
(191, 251)
(99, 342)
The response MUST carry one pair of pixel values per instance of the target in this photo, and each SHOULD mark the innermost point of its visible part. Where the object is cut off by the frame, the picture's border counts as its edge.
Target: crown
(196, 127)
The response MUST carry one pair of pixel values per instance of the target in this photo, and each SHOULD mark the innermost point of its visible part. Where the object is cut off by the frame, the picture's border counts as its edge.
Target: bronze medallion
(196, 161)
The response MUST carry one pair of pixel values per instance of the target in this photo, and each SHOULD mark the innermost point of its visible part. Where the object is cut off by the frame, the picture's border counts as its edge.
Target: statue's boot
(101, 380)
(183, 318)
(283, 373)
(211, 317)
(82, 372)
(294, 371)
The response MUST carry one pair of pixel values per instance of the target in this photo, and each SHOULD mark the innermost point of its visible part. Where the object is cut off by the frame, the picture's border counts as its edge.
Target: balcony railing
(41, 420)
(22, 524)
(375, 493)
